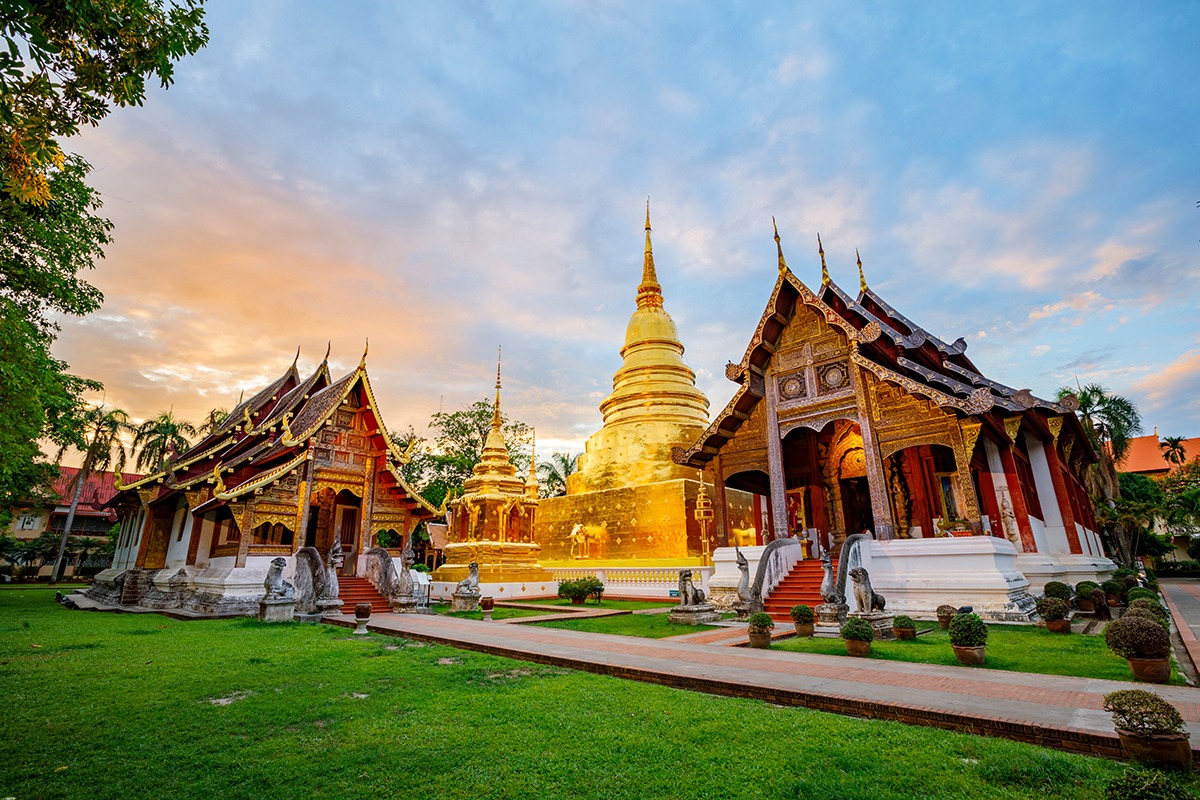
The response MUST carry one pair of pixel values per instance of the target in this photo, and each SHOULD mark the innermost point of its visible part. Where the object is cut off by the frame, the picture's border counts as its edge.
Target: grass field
(497, 613)
(650, 626)
(1018, 648)
(138, 706)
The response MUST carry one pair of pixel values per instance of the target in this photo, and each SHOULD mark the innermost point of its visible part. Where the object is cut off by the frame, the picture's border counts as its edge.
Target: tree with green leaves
(62, 65)
(104, 430)
(213, 421)
(1110, 422)
(1173, 450)
(555, 471)
(162, 438)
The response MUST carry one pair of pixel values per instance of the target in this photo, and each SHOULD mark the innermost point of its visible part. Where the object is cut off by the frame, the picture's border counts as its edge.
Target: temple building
(491, 524)
(627, 500)
(304, 462)
(849, 417)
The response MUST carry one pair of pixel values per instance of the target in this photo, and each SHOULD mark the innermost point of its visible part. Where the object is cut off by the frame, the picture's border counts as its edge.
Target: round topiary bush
(761, 623)
(904, 622)
(1058, 589)
(946, 611)
(1140, 592)
(1053, 609)
(1122, 573)
(1084, 589)
(1142, 712)
(1137, 637)
(1114, 588)
(968, 630)
(1146, 613)
(802, 614)
(1153, 606)
(858, 629)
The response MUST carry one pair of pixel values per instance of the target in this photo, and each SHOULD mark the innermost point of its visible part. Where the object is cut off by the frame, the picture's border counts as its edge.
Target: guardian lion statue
(277, 588)
(689, 593)
(470, 584)
(864, 595)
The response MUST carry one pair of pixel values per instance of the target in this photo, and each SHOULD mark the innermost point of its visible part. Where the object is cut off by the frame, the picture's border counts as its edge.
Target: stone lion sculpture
(864, 595)
(689, 593)
(469, 584)
(277, 588)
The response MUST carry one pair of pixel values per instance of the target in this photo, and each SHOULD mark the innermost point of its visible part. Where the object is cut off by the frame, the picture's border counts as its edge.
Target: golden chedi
(627, 499)
(492, 522)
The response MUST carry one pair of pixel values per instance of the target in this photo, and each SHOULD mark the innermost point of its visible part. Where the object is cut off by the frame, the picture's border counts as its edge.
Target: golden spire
(296, 360)
(496, 410)
(824, 269)
(649, 291)
(862, 281)
(362, 362)
(328, 347)
(783, 267)
(531, 483)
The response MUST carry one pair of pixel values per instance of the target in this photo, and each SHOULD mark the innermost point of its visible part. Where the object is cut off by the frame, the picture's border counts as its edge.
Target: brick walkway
(1183, 598)
(1060, 712)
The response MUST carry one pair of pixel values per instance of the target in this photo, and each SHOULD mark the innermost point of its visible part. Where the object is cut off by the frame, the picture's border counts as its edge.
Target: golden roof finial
(649, 291)
(362, 362)
(296, 360)
(220, 487)
(862, 281)
(328, 348)
(496, 410)
(783, 267)
(532, 482)
(824, 269)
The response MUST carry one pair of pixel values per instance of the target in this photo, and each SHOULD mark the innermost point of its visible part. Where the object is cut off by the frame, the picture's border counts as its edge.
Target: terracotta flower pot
(905, 633)
(1058, 625)
(858, 648)
(1151, 670)
(760, 640)
(577, 601)
(362, 610)
(1113, 600)
(1159, 750)
(944, 622)
(971, 656)
(804, 630)
(1086, 606)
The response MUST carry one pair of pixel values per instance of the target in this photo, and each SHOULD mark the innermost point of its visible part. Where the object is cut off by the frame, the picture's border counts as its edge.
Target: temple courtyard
(99, 703)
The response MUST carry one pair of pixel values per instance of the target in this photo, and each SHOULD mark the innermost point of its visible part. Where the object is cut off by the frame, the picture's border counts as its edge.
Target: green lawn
(497, 613)
(650, 626)
(1019, 648)
(133, 706)
(622, 605)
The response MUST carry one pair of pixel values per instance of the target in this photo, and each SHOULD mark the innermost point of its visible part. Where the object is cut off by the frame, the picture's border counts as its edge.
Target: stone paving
(1060, 712)
(1183, 598)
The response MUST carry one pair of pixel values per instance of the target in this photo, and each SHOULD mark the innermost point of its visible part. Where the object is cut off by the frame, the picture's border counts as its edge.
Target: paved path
(1183, 598)
(1061, 712)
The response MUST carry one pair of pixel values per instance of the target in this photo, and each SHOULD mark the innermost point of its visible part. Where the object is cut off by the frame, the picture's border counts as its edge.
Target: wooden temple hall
(304, 462)
(850, 417)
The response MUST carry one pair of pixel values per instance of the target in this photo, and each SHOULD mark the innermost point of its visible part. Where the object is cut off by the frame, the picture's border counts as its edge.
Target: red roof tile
(1146, 456)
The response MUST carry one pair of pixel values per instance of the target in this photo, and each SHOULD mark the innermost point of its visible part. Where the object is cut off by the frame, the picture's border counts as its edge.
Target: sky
(445, 178)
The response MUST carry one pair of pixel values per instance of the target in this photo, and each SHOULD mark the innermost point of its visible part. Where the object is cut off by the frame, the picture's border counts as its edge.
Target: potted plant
(362, 615)
(1055, 612)
(1151, 607)
(1114, 592)
(858, 634)
(573, 590)
(968, 637)
(1145, 644)
(761, 626)
(904, 628)
(1139, 592)
(1083, 595)
(945, 613)
(1146, 613)
(1150, 728)
(1058, 589)
(803, 618)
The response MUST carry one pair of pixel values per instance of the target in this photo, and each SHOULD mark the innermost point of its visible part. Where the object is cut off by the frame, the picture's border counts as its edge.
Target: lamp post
(703, 514)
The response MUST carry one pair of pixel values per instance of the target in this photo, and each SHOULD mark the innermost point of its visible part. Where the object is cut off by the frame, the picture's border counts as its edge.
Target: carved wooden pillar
(881, 507)
(722, 520)
(1061, 492)
(246, 526)
(194, 499)
(1015, 492)
(775, 463)
(325, 529)
(964, 437)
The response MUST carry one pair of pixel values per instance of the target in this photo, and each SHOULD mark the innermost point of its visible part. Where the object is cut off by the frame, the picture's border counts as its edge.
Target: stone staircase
(137, 583)
(359, 590)
(801, 585)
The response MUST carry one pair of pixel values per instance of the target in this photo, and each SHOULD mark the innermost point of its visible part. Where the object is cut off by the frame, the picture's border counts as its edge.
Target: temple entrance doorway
(856, 505)
(749, 524)
(347, 525)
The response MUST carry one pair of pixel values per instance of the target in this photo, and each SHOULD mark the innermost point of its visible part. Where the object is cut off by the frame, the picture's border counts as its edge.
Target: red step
(352, 591)
(801, 585)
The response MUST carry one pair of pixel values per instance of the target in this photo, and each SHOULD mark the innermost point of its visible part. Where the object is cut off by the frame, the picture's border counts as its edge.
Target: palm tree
(160, 438)
(1109, 421)
(213, 421)
(555, 471)
(1173, 450)
(102, 430)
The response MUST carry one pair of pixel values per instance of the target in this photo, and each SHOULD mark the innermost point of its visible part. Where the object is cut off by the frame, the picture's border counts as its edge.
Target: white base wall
(1069, 568)
(440, 591)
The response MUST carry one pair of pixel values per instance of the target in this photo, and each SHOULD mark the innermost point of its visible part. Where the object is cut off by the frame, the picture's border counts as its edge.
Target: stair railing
(776, 561)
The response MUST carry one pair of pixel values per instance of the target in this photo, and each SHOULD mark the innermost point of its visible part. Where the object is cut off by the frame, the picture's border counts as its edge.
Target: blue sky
(447, 177)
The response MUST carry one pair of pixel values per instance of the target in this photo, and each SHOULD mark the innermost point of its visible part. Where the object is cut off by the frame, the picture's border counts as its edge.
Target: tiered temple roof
(887, 344)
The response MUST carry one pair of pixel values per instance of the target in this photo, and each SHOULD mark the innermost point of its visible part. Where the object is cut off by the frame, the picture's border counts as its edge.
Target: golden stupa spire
(783, 267)
(824, 269)
(531, 483)
(649, 291)
(862, 280)
(496, 410)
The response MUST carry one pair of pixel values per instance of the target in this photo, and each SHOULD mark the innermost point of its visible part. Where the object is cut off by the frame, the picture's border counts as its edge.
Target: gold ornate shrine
(492, 522)
(627, 499)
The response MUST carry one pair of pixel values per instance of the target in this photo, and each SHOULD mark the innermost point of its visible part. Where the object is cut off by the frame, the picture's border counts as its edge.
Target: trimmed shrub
(1138, 783)
(904, 622)
(1153, 606)
(1137, 592)
(1151, 577)
(582, 588)
(858, 629)
(1146, 613)
(968, 630)
(802, 614)
(1142, 712)
(1058, 589)
(761, 623)
(420, 568)
(946, 611)
(1114, 588)
(1122, 573)
(1137, 637)
(1084, 589)
(1053, 609)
